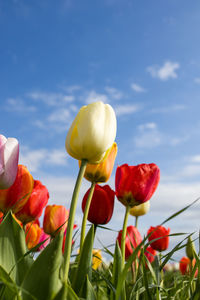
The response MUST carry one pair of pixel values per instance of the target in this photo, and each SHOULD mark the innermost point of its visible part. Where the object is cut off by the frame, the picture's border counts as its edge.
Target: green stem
(124, 235)
(68, 242)
(86, 211)
(136, 221)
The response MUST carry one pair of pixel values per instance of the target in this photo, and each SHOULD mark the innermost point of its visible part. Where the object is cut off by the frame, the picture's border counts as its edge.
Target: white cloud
(126, 109)
(148, 136)
(36, 159)
(114, 93)
(93, 97)
(51, 99)
(195, 158)
(197, 80)
(19, 105)
(137, 88)
(150, 125)
(167, 71)
(169, 109)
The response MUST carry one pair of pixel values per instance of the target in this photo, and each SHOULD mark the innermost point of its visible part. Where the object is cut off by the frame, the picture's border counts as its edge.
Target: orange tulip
(16, 196)
(186, 265)
(101, 172)
(55, 219)
(33, 233)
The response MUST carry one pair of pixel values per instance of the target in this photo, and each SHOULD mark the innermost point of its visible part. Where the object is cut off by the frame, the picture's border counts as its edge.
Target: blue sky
(142, 57)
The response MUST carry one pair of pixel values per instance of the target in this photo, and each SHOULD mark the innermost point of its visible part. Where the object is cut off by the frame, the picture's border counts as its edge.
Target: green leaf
(13, 249)
(43, 280)
(87, 290)
(85, 262)
(8, 289)
(66, 293)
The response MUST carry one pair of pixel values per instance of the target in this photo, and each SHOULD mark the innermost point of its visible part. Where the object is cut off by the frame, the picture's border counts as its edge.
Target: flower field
(138, 268)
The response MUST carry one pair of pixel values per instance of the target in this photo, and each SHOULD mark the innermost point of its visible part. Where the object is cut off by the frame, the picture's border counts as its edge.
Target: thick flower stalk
(92, 132)
(36, 202)
(9, 156)
(16, 196)
(161, 236)
(135, 185)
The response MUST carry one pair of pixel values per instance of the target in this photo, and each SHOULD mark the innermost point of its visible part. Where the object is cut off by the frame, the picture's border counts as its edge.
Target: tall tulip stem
(68, 242)
(136, 221)
(85, 215)
(124, 234)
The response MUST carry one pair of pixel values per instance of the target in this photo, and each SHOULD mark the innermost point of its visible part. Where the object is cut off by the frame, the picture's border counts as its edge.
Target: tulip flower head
(9, 156)
(150, 253)
(92, 132)
(16, 196)
(160, 235)
(186, 265)
(132, 240)
(55, 219)
(101, 172)
(96, 259)
(44, 239)
(33, 233)
(36, 202)
(135, 185)
(102, 204)
(140, 210)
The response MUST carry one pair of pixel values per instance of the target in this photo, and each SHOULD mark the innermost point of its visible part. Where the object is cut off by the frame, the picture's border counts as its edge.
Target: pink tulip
(9, 156)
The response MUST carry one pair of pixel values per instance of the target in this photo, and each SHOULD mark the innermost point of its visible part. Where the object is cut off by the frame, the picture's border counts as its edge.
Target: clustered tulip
(16, 196)
(101, 172)
(36, 202)
(161, 236)
(136, 184)
(102, 204)
(55, 219)
(132, 240)
(92, 132)
(9, 156)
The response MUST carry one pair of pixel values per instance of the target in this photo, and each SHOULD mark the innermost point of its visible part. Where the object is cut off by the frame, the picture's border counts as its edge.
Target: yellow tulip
(140, 210)
(101, 172)
(92, 132)
(96, 258)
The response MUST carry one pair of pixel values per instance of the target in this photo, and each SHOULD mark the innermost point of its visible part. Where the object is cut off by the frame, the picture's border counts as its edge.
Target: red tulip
(36, 202)
(186, 266)
(150, 253)
(136, 184)
(55, 216)
(102, 204)
(132, 240)
(45, 238)
(17, 195)
(161, 234)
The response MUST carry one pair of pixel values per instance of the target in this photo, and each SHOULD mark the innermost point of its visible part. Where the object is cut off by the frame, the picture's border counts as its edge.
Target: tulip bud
(140, 210)
(55, 219)
(135, 185)
(17, 195)
(96, 259)
(132, 240)
(36, 202)
(101, 172)
(160, 235)
(102, 204)
(9, 156)
(92, 132)
(190, 248)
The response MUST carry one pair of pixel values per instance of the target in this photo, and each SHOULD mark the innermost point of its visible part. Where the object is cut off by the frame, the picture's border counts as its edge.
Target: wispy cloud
(165, 72)
(197, 80)
(38, 158)
(94, 96)
(19, 105)
(114, 93)
(169, 109)
(137, 88)
(126, 109)
(51, 99)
